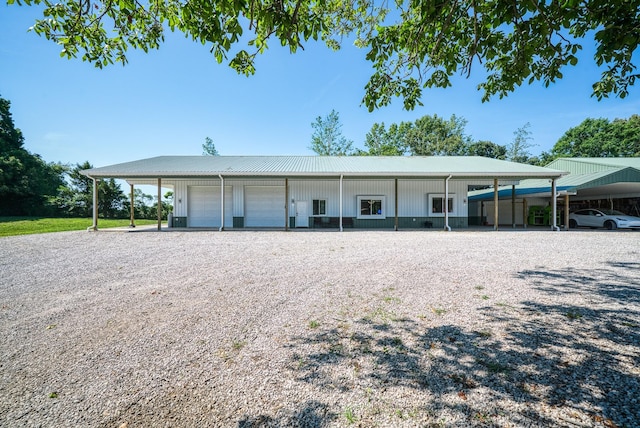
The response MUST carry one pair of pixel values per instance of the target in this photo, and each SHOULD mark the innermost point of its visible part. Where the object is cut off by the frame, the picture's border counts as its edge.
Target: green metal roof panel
(382, 166)
(587, 165)
(571, 182)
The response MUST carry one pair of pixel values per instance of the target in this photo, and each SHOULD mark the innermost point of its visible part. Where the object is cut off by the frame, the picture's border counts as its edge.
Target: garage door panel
(264, 206)
(204, 206)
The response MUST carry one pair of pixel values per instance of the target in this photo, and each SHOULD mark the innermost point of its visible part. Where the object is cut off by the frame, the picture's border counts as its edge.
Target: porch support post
(513, 205)
(554, 206)
(221, 203)
(94, 226)
(286, 204)
(495, 204)
(159, 204)
(396, 207)
(340, 220)
(445, 205)
(566, 212)
(132, 221)
(525, 207)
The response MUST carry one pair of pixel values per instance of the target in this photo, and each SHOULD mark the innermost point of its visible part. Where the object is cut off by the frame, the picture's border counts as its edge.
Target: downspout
(445, 206)
(396, 206)
(554, 208)
(496, 201)
(221, 203)
(341, 177)
(94, 226)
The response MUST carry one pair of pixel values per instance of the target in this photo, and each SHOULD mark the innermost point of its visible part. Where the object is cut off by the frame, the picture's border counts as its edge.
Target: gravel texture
(320, 329)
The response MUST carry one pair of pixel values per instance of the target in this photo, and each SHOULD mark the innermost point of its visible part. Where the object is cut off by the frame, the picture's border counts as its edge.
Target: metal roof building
(320, 191)
(615, 180)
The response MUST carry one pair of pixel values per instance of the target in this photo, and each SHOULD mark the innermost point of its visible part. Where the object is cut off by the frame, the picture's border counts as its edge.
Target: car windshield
(612, 212)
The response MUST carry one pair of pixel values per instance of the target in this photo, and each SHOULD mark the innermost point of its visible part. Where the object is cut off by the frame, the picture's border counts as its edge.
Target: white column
(341, 177)
(221, 203)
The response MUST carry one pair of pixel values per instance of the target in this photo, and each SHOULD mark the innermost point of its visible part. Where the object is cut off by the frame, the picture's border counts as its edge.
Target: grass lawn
(10, 226)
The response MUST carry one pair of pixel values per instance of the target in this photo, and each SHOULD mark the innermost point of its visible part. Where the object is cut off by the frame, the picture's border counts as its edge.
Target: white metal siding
(354, 188)
(264, 206)
(308, 190)
(412, 195)
(204, 206)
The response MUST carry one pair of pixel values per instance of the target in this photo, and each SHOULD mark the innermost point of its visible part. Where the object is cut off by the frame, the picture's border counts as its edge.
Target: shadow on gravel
(312, 414)
(554, 364)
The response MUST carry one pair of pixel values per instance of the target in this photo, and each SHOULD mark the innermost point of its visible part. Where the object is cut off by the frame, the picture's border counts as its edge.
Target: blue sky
(167, 101)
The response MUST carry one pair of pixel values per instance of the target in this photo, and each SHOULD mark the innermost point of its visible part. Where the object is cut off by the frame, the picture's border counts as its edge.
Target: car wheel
(609, 224)
(573, 224)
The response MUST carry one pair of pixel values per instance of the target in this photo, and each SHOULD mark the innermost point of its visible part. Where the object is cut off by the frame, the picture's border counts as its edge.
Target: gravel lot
(320, 329)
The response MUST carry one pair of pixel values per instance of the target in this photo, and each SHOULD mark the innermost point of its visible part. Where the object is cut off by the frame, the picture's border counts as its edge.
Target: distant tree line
(31, 187)
(436, 136)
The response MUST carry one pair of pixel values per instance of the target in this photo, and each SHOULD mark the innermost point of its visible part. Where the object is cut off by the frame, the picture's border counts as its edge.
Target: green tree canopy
(26, 181)
(386, 142)
(519, 149)
(435, 136)
(75, 198)
(487, 149)
(327, 138)
(600, 138)
(208, 148)
(411, 45)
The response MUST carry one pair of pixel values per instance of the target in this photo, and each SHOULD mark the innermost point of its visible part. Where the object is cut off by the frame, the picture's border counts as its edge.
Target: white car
(610, 219)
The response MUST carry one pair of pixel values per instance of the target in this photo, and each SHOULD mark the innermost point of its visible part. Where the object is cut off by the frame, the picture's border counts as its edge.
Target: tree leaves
(411, 45)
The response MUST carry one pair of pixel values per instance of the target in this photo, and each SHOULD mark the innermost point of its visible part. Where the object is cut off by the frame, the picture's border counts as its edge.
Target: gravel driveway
(320, 329)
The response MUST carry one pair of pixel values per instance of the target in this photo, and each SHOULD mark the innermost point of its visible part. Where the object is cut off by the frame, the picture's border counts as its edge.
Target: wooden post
(221, 203)
(396, 208)
(554, 206)
(286, 204)
(495, 204)
(525, 218)
(159, 204)
(132, 221)
(513, 205)
(95, 205)
(566, 212)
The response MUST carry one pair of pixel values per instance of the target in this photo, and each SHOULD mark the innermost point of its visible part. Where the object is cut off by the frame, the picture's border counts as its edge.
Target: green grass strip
(11, 226)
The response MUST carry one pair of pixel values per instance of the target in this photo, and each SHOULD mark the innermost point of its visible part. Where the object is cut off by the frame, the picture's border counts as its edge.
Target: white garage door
(264, 206)
(204, 206)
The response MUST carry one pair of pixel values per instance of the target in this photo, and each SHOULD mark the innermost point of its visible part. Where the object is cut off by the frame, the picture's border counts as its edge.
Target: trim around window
(371, 207)
(319, 207)
(435, 205)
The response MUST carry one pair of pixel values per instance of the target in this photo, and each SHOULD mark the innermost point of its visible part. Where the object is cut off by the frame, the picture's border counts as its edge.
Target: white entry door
(302, 214)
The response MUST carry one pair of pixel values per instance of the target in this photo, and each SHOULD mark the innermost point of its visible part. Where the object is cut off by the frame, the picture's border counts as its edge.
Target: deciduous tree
(327, 138)
(601, 138)
(435, 136)
(208, 148)
(26, 181)
(519, 149)
(386, 142)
